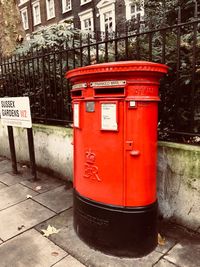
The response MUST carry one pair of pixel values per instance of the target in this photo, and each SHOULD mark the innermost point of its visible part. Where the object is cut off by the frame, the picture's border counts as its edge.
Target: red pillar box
(115, 151)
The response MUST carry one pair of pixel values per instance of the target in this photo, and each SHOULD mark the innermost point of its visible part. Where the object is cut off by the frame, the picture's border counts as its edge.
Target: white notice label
(108, 83)
(15, 111)
(109, 116)
(79, 86)
(76, 115)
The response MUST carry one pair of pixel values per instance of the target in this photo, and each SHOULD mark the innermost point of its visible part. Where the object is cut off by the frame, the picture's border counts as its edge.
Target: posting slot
(109, 92)
(76, 93)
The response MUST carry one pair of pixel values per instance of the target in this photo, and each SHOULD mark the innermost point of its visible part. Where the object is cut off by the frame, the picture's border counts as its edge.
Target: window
(66, 5)
(85, 1)
(88, 24)
(133, 10)
(86, 18)
(108, 21)
(107, 15)
(24, 15)
(50, 9)
(36, 13)
(21, 2)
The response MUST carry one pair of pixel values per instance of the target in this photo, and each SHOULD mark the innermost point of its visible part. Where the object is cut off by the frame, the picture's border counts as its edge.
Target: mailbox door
(141, 153)
(99, 150)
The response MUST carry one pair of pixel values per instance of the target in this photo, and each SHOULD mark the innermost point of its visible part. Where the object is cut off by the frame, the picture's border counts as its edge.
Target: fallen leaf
(161, 240)
(54, 253)
(38, 188)
(28, 196)
(50, 231)
(24, 166)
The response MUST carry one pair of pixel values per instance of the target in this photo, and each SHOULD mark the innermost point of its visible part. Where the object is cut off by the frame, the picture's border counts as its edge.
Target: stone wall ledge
(179, 183)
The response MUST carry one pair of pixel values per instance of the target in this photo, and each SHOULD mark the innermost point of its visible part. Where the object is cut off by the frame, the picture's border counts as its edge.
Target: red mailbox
(115, 151)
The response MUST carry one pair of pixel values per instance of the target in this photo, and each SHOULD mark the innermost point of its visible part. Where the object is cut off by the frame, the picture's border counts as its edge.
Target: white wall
(53, 148)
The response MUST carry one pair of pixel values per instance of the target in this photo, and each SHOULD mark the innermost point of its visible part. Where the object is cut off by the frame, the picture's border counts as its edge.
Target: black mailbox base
(119, 231)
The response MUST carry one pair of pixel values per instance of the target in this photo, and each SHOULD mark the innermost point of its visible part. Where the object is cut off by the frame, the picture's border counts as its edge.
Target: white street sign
(15, 111)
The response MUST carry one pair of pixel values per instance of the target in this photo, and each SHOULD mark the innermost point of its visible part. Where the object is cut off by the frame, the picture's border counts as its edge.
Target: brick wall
(76, 9)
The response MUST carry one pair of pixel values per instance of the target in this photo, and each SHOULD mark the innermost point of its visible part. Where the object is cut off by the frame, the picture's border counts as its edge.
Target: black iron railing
(40, 74)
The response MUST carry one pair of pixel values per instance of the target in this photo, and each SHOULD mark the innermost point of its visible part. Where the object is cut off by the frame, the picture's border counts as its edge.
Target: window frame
(48, 10)
(87, 14)
(34, 4)
(84, 3)
(129, 15)
(103, 8)
(21, 2)
(64, 6)
(24, 10)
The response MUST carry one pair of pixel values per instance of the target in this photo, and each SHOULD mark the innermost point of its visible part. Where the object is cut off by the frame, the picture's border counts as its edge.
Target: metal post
(32, 153)
(12, 149)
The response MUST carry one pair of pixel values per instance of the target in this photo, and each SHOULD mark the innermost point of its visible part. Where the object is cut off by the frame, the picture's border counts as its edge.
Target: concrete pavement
(28, 208)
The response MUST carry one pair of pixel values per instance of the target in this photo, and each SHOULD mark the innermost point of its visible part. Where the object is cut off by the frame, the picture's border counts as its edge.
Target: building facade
(87, 15)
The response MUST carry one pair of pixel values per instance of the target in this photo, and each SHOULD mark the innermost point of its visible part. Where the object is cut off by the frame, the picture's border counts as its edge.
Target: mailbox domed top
(118, 67)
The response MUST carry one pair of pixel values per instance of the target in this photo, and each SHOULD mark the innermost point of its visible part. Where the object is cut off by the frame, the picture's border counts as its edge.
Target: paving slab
(45, 182)
(186, 253)
(58, 199)
(30, 249)
(176, 232)
(64, 219)
(2, 186)
(5, 166)
(168, 244)
(165, 263)
(90, 257)
(21, 217)
(10, 179)
(68, 240)
(14, 194)
(69, 261)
